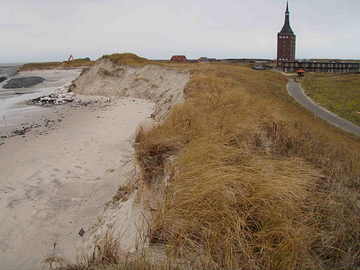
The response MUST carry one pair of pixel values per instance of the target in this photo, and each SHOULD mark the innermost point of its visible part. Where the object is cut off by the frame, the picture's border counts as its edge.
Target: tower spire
(287, 7)
(286, 42)
(286, 30)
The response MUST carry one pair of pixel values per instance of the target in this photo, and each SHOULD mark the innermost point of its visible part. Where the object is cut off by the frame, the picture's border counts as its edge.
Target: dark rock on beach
(2, 79)
(23, 82)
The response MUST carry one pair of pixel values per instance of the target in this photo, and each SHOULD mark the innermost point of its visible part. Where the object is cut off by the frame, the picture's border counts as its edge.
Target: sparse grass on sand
(242, 177)
(338, 93)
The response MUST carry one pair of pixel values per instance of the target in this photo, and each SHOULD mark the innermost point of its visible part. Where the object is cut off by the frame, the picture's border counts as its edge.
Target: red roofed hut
(300, 73)
(179, 58)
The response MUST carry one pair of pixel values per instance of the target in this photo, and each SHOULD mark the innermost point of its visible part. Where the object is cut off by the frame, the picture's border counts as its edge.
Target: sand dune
(161, 85)
(56, 179)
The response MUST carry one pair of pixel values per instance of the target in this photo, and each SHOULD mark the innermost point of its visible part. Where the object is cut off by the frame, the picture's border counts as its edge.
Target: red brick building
(179, 58)
(286, 41)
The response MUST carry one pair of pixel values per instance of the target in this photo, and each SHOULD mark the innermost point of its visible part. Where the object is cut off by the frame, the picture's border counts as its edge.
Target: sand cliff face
(164, 87)
(161, 85)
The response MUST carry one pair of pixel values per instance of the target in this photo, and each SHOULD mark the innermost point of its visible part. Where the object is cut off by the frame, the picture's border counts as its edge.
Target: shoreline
(56, 179)
(13, 107)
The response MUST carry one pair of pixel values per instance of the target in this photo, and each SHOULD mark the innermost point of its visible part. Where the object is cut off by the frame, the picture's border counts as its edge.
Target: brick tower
(286, 41)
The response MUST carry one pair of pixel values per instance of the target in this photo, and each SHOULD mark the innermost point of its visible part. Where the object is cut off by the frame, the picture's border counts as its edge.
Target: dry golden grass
(258, 183)
(39, 66)
(141, 78)
(108, 255)
(117, 58)
(245, 178)
(127, 59)
(52, 65)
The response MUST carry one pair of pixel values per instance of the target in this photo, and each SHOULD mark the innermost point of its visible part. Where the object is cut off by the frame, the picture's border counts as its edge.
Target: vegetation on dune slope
(117, 58)
(242, 177)
(257, 183)
(338, 93)
(127, 59)
(52, 65)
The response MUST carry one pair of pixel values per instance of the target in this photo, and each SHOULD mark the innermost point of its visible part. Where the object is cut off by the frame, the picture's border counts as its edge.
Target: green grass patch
(338, 93)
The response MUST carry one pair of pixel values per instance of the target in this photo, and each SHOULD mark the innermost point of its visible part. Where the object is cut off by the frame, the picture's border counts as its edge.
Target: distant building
(260, 62)
(286, 45)
(262, 67)
(246, 60)
(203, 60)
(179, 58)
(325, 67)
(286, 41)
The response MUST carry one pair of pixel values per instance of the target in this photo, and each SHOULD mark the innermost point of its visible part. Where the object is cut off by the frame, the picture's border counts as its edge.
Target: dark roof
(286, 30)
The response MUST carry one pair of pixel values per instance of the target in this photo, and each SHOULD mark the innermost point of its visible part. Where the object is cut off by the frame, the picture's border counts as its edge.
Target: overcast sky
(49, 30)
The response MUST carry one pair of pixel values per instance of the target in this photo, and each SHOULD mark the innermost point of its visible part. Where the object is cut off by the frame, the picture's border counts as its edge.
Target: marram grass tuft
(257, 182)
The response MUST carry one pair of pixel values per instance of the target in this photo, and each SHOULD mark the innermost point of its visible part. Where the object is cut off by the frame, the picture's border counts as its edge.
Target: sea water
(13, 102)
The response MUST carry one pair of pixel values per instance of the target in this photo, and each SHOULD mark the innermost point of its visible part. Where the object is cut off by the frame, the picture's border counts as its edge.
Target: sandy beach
(56, 179)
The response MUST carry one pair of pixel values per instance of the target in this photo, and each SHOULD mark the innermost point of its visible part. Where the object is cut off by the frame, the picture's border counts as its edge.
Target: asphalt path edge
(296, 91)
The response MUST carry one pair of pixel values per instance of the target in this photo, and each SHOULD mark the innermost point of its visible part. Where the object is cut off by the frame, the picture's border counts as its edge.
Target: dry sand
(162, 85)
(54, 184)
(56, 180)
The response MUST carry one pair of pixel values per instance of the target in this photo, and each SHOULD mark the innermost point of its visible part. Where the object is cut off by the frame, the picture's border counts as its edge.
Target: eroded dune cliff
(162, 85)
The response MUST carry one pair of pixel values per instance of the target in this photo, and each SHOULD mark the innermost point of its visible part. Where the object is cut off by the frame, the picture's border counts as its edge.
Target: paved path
(296, 92)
